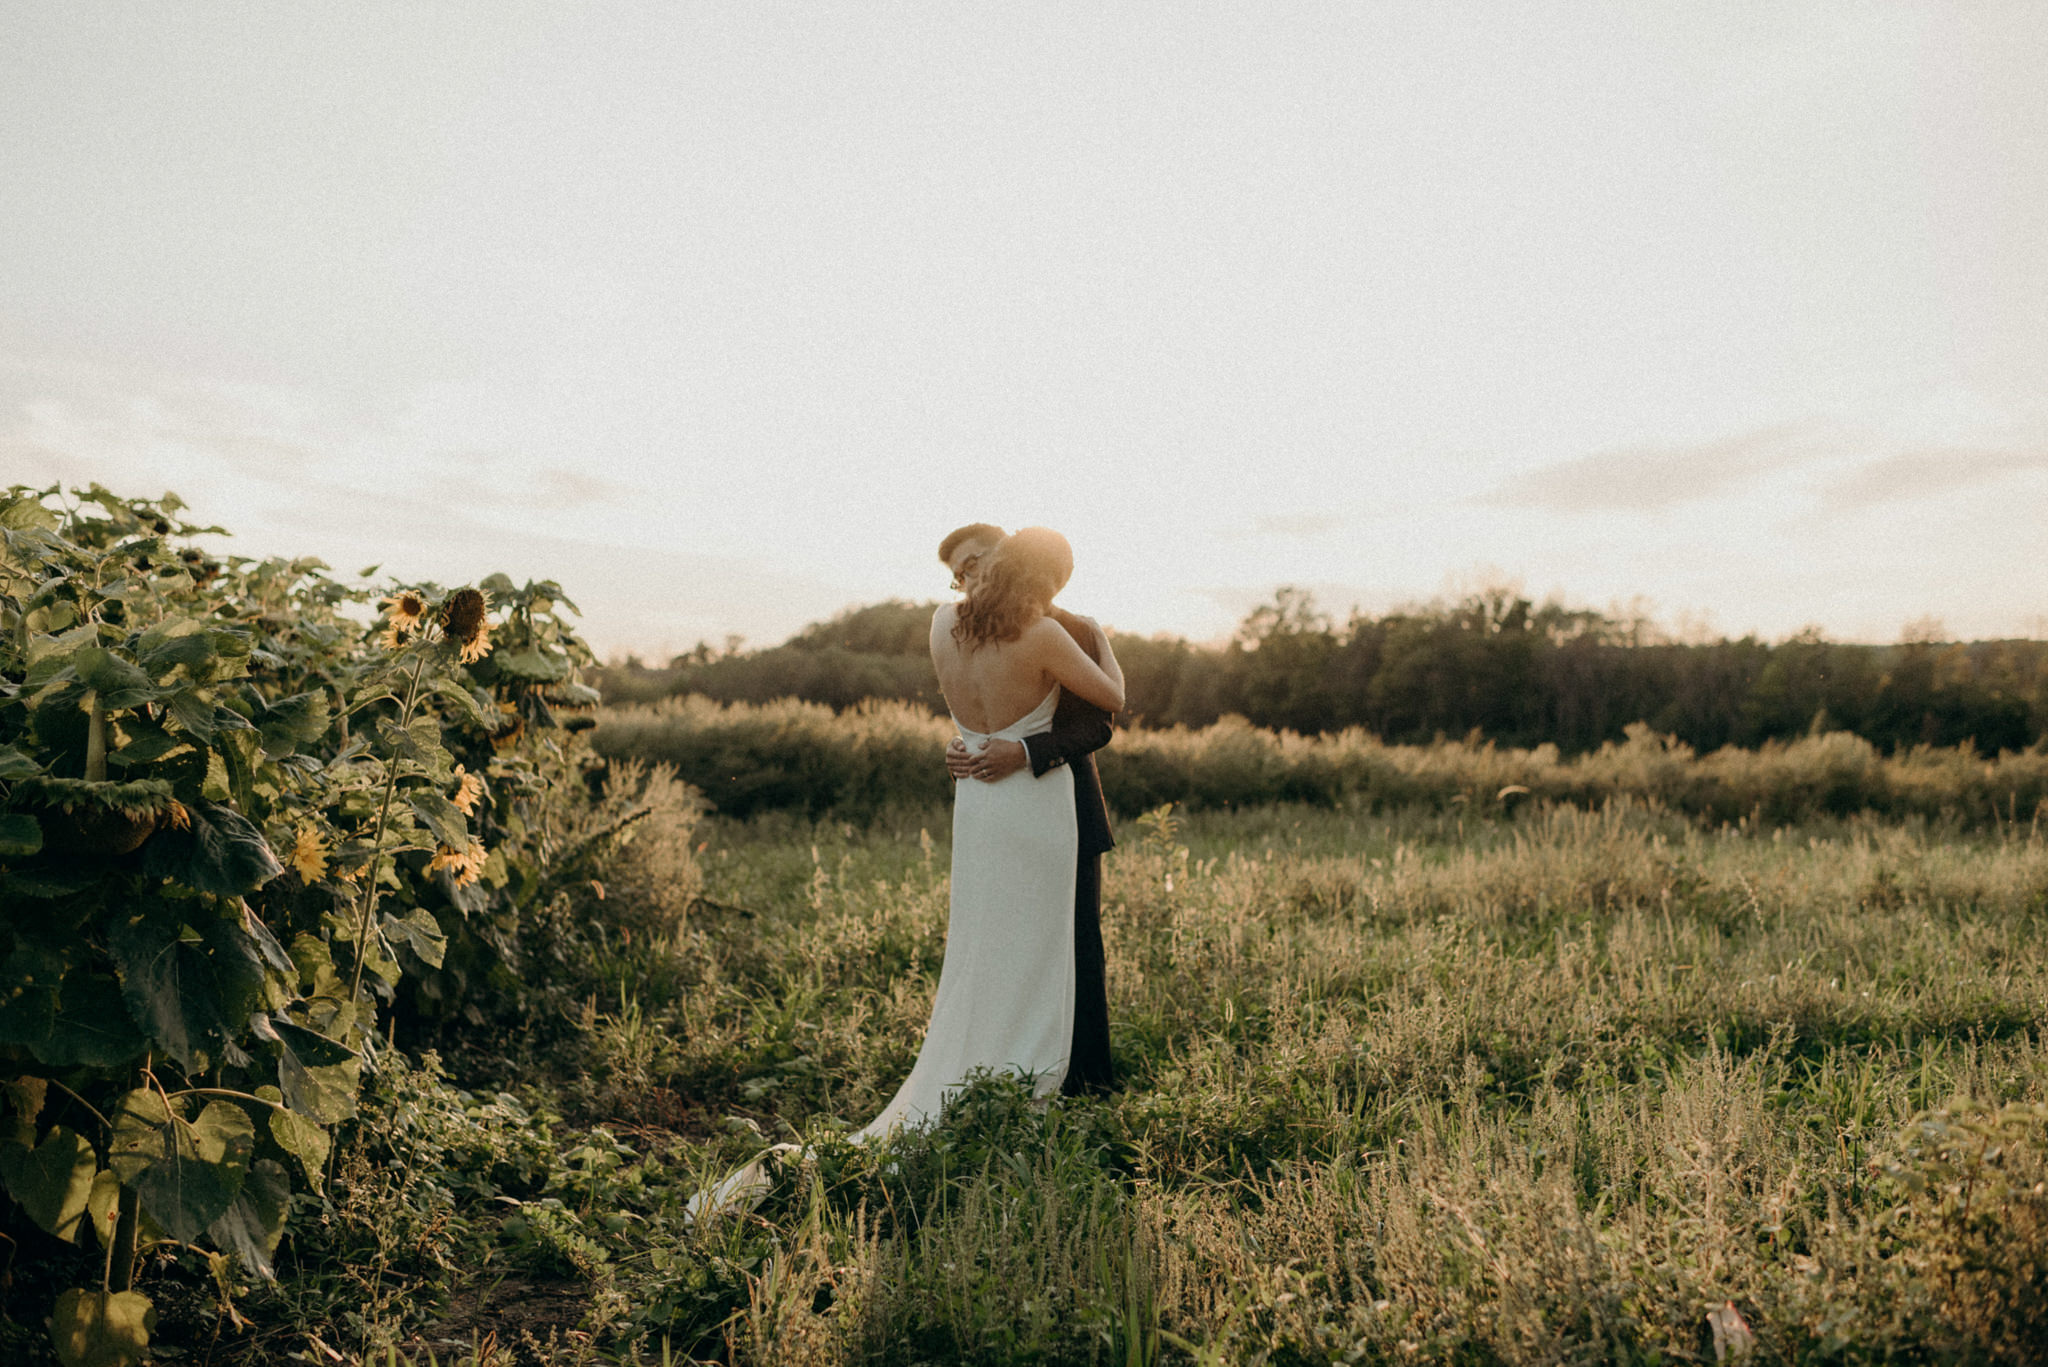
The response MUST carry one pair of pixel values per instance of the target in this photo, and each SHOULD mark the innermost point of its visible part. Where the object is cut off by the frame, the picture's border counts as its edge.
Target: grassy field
(1551, 1086)
(1548, 1089)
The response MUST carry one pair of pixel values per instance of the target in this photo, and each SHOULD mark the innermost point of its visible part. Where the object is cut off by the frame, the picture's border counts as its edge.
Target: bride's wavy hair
(1016, 587)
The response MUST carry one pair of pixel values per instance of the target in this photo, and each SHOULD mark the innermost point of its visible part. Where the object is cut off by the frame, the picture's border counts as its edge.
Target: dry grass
(1411, 1088)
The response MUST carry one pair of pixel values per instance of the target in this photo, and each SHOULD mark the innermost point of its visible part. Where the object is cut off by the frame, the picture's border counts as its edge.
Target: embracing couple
(1031, 689)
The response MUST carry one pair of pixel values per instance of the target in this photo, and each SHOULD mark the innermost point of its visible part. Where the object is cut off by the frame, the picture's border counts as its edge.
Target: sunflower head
(468, 788)
(465, 865)
(462, 616)
(406, 611)
(309, 854)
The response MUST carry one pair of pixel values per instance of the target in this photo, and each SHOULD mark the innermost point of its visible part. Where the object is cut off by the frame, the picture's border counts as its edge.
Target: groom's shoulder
(1077, 628)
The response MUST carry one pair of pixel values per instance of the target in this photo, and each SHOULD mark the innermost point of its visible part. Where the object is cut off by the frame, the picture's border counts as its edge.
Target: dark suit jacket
(1079, 729)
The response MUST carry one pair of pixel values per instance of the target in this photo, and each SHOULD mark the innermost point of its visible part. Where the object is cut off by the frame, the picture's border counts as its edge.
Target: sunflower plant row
(244, 807)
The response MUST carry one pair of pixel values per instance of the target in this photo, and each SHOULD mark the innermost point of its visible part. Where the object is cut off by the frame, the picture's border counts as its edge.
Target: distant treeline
(1493, 663)
(749, 758)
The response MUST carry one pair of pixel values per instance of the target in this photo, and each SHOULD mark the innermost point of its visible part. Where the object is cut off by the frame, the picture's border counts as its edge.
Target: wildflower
(467, 865)
(468, 788)
(309, 854)
(407, 612)
(463, 621)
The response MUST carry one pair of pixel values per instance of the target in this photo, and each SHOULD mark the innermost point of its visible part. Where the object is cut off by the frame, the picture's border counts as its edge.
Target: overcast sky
(723, 314)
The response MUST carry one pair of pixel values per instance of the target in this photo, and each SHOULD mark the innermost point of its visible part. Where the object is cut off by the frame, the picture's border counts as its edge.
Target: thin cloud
(1647, 478)
(1919, 475)
(1284, 526)
(1296, 524)
(491, 481)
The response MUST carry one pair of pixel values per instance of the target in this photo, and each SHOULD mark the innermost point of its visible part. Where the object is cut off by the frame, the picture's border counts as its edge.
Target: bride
(1005, 998)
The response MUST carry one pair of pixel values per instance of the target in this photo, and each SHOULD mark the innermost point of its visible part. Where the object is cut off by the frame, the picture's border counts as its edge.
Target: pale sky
(723, 314)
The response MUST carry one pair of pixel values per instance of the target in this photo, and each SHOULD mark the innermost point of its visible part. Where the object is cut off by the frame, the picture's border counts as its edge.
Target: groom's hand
(999, 760)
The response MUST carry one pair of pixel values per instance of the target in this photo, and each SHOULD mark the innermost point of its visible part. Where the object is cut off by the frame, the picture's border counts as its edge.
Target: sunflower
(309, 854)
(407, 612)
(466, 864)
(463, 621)
(468, 788)
(508, 736)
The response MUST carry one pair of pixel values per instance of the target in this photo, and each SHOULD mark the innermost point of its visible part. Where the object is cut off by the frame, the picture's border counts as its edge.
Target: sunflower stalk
(96, 740)
(369, 906)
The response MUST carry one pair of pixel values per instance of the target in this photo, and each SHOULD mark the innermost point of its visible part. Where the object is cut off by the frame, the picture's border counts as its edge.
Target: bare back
(991, 687)
(998, 683)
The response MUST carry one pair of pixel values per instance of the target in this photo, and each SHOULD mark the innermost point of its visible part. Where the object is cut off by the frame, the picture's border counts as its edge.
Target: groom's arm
(1083, 731)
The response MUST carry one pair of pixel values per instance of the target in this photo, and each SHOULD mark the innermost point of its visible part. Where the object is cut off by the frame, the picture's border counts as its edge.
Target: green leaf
(14, 764)
(303, 1139)
(51, 1181)
(53, 651)
(173, 989)
(90, 1026)
(531, 665)
(193, 713)
(102, 1328)
(254, 1223)
(164, 647)
(20, 835)
(420, 932)
(20, 514)
(146, 743)
(187, 1174)
(465, 699)
(318, 1075)
(28, 994)
(291, 722)
(214, 787)
(103, 1205)
(440, 816)
(221, 852)
(266, 944)
(428, 750)
(118, 682)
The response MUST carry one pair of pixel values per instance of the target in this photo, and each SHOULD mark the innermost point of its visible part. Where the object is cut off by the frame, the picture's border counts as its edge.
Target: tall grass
(803, 757)
(1408, 1088)
(1432, 1084)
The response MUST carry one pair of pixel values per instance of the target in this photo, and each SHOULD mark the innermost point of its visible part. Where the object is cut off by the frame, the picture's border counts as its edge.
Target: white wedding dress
(1005, 999)
(1006, 990)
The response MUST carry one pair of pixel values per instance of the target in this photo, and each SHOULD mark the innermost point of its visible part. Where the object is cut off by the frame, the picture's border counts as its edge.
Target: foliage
(1517, 672)
(879, 651)
(791, 756)
(233, 820)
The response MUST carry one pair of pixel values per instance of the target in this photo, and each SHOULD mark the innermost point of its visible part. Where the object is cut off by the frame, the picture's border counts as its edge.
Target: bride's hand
(959, 760)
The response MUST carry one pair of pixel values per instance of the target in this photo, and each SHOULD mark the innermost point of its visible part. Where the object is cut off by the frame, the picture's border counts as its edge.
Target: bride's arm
(1056, 651)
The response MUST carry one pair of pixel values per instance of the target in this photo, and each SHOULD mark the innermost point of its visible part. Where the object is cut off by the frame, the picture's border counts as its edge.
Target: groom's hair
(973, 531)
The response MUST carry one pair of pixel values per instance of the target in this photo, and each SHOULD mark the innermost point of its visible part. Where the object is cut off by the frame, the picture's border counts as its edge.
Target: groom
(1078, 730)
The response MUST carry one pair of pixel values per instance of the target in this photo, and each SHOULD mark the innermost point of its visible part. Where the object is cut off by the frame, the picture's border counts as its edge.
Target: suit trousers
(1088, 1066)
